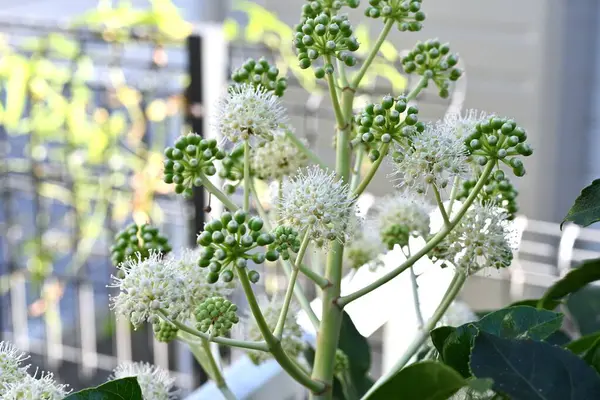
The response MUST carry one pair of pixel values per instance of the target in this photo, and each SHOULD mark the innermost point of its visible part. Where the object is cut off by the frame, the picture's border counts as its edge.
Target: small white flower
(316, 200)
(195, 278)
(32, 388)
(462, 125)
(277, 158)
(11, 368)
(291, 338)
(155, 382)
(400, 216)
(434, 157)
(481, 239)
(247, 112)
(147, 286)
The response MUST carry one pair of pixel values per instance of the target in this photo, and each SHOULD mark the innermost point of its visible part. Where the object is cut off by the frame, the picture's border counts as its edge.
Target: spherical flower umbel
(155, 382)
(315, 200)
(276, 159)
(11, 368)
(261, 73)
(32, 388)
(149, 286)
(407, 14)
(463, 124)
(482, 239)
(249, 112)
(364, 249)
(291, 337)
(134, 240)
(434, 157)
(400, 216)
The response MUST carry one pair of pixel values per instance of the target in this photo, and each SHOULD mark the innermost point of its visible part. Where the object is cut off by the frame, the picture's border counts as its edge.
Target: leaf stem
(290, 289)
(428, 246)
(380, 39)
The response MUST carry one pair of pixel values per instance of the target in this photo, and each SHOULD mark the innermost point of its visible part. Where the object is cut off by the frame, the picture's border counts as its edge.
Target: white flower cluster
(249, 112)
(291, 337)
(316, 200)
(364, 250)
(434, 157)
(276, 159)
(481, 239)
(17, 384)
(401, 214)
(174, 284)
(155, 382)
(464, 124)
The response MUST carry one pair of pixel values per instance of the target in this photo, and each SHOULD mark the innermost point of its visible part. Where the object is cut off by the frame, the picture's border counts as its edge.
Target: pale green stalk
(428, 246)
(415, 290)
(453, 291)
(208, 185)
(247, 176)
(306, 150)
(383, 149)
(440, 204)
(415, 92)
(363, 69)
(360, 152)
(216, 374)
(242, 344)
(298, 292)
(453, 194)
(339, 116)
(290, 289)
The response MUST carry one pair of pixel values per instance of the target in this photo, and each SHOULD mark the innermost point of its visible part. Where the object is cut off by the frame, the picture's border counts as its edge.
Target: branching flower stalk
(456, 159)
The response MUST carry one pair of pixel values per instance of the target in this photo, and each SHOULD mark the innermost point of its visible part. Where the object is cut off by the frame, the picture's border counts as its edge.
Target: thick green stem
(374, 167)
(428, 246)
(247, 176)
(363, 69)
(360, 152)
(290, 289)
(307, 151)
(314, 276)
(339, 116)
(215, 373)
(440, 203)
(287, 268)
(242, 344)
(208, 185)
(274, 344)
(415, 92)
(453, 291)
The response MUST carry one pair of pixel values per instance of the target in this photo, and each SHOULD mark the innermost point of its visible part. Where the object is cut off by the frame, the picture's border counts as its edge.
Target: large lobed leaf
(119, 389)
(529, 370)
(520, 322)
(586, 209)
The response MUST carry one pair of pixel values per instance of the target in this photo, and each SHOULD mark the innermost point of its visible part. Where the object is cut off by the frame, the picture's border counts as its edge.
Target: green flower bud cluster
(497, 190)
(500, 139)
(434, 61)
(286, 240)
(407, 14)
(261, 73)
(341, 363)
(216, 314)
(164, 331)
(191, 158)
(325, 36)
(330, 7)
(138, 239)
(233, 169)
(227, 243)
(395, 234)
(384, 122)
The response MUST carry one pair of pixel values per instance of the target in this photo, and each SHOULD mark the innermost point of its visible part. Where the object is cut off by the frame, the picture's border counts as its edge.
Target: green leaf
(520, 322)
(534, 303)
(586, 209)
(584, 309)
(427, 380)
(529, 370)
(577, 278)
(592, 356)
(583, 344)
(119, 389)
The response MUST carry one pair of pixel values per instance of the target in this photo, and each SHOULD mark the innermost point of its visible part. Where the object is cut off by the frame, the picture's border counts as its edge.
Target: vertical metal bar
(194, 117)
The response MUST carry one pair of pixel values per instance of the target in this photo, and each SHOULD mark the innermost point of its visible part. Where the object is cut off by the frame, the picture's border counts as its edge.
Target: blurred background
(92, 92)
